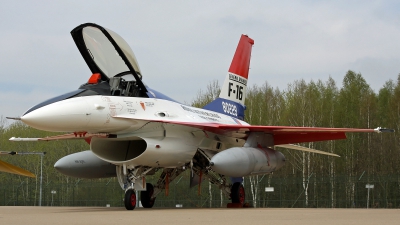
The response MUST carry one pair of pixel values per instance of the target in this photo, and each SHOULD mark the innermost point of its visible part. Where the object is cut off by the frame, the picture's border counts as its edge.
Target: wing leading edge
(281, 134)
(289, 135)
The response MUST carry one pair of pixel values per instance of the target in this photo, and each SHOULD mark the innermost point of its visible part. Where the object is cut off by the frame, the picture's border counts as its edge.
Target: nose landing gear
(146, 198)
(130, 199)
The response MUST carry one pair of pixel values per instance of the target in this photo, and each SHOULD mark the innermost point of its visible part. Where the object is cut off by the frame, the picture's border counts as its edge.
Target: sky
(182, 46)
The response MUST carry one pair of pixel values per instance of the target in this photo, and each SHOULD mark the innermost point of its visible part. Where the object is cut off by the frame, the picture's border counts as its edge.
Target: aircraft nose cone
(63, 116)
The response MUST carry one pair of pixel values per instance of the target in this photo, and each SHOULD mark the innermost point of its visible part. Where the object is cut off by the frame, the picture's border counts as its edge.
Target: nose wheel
(146, 196)
(237, 193)
(130, 199)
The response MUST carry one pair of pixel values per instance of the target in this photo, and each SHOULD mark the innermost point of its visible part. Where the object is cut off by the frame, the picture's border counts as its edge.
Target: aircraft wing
(282, 134)
(289, 135)
(8, 168)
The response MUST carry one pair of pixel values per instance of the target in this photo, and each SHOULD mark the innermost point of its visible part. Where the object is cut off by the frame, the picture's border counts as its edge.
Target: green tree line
(307, 179)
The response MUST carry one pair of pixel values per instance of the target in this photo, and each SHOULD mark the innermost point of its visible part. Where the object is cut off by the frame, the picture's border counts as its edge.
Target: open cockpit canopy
(108, 54)
(115, 69)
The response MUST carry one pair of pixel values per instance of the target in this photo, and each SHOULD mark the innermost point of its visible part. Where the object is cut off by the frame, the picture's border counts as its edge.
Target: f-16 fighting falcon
(134, 131)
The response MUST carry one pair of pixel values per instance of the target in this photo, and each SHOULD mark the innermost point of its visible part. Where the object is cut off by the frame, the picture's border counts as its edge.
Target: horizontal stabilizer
(305, 149)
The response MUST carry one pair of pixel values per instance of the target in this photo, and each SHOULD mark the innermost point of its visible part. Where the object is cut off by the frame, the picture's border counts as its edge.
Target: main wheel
(130, 199)
(145, 196)
(237, 193)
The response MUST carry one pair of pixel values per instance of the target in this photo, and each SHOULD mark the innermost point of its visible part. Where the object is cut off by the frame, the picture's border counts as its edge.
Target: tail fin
(233, 92)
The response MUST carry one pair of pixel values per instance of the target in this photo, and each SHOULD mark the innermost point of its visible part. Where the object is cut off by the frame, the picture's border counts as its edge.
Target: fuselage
(117, 114)
(144, 131)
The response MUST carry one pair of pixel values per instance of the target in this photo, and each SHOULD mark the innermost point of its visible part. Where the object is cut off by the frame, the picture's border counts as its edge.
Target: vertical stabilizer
(233, 91)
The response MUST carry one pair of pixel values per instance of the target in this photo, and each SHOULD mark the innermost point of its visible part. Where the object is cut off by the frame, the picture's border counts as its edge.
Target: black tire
(237, 193)
(145, 196)
(130, 199)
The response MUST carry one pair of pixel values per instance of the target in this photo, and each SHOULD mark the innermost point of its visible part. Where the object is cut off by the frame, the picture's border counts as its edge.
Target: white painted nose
(64, 116)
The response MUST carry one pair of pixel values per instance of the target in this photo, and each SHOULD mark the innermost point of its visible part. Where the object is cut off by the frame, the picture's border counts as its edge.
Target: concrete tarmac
(23, 215)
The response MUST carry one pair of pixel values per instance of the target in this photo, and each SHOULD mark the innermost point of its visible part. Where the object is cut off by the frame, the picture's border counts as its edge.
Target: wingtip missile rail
(383, 130)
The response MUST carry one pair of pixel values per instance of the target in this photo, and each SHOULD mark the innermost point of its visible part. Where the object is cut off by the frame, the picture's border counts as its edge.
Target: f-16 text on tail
(134, 130)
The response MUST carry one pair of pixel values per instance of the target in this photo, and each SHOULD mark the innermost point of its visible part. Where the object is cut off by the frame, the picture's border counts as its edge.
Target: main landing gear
(237, 194)
(146, 196)
(201, 168)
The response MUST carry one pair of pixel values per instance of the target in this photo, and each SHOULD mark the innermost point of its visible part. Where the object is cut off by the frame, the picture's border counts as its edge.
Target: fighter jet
(134, 131)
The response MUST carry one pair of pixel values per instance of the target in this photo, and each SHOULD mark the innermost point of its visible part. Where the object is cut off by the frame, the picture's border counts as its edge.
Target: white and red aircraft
(134, 130)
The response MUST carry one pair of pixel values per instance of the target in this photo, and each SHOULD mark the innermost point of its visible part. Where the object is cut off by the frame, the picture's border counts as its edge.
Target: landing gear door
(140, 184)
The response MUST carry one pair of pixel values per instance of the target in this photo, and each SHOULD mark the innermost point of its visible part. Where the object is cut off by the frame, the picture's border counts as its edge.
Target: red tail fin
(233, 91)
(241, 60)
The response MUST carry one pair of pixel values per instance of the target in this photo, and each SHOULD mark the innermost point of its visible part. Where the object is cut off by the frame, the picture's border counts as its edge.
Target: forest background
(307, 179)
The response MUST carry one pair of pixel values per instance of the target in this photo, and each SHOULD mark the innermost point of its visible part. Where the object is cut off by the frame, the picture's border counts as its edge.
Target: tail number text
(229, 108)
